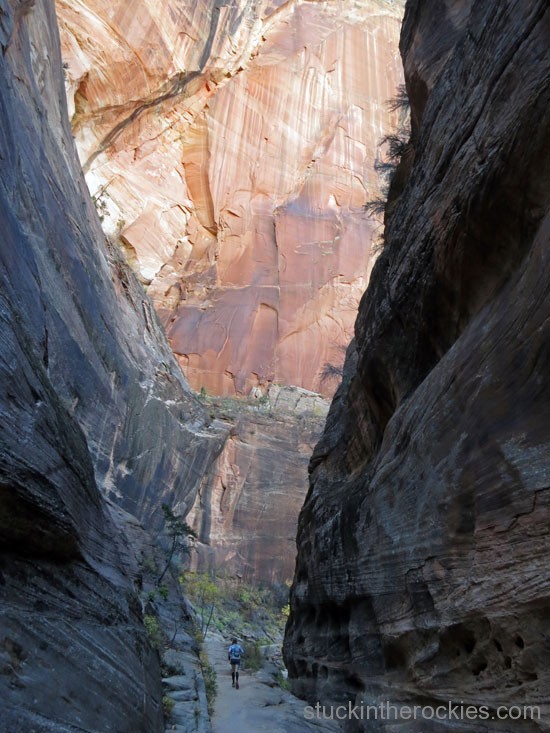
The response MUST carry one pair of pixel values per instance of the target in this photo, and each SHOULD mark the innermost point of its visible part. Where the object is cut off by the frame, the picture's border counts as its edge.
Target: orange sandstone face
(232, 156)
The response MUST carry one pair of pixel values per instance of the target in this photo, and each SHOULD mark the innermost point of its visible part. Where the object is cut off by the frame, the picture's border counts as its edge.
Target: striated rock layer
(91, 401)
(423, 544)
(246, 511)
(230, 147)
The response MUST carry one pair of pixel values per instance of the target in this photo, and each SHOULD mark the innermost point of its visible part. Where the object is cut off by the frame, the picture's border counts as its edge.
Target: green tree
(205, 596)
(180, 534)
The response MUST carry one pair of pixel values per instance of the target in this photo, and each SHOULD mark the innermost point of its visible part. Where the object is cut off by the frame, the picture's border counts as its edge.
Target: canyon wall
(246, 510)
(423, 543)
(230, 149)
(92, 406)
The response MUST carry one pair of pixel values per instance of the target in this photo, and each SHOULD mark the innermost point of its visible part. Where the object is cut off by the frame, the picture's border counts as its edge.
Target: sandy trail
(257, 705)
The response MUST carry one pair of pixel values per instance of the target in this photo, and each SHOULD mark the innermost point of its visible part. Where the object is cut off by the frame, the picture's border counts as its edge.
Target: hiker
(234, 654)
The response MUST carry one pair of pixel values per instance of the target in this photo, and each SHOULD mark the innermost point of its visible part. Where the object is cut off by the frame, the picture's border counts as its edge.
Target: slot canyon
(275, 306)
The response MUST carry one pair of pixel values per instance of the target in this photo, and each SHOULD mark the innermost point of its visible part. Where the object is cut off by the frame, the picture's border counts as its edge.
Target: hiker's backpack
(235, 653)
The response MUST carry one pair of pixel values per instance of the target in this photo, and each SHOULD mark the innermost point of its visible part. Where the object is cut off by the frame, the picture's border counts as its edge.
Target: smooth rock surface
(246, 511)
(423, 543)
(91, 402)
(230, 148)
(89, 323)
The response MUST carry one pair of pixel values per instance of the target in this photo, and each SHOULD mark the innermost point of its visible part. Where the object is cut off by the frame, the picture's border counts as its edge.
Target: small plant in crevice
(396, 146)
(167, 707)
(330, 370)
(100, 206)
(154, 632)
(282, 680)
(149, 565)
(400, 102)
(210, 678)
(391, 149)
(375, 207)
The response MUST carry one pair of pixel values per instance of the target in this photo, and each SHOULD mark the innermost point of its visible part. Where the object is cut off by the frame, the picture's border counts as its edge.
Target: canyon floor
(260, 704)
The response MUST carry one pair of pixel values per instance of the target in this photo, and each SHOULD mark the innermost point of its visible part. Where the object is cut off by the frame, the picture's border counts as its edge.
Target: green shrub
(180, 534)
(167, 707)
(205, 595)
(197, 635)
(152, 627)
(210, 680)
(235, 608)
(250, 599)
(253, 658)
(149, 565)
(282, 681)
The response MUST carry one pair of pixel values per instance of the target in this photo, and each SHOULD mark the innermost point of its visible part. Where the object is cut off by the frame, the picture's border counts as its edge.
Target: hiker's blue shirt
(235, 653)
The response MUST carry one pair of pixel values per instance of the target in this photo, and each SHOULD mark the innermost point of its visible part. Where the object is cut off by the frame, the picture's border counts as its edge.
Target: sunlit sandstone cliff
(422, 574)
(92, 404)
(230, 146)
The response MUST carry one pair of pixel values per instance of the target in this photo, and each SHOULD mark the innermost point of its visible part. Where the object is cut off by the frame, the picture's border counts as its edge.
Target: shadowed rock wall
(91, 400)
(423, 541)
